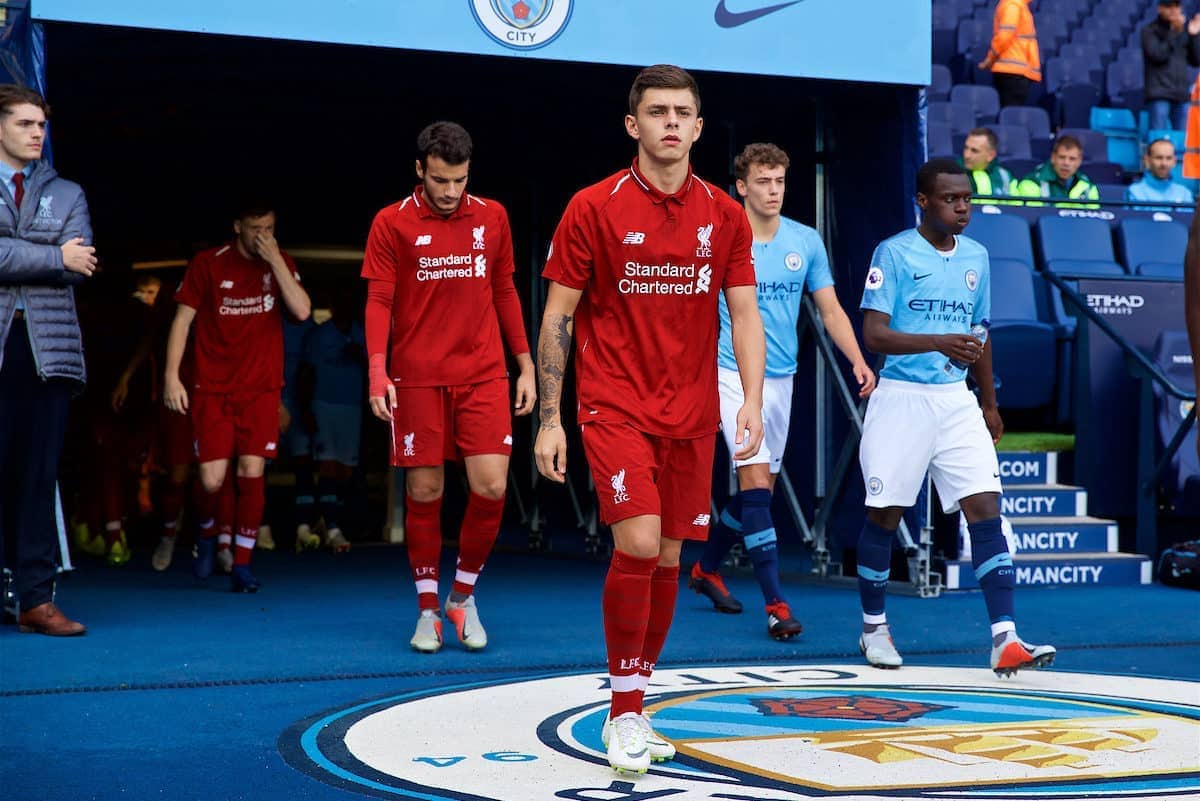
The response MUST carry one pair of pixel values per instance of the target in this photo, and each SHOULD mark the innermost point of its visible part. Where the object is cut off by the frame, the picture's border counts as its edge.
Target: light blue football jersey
(927, 291)
(795, 258)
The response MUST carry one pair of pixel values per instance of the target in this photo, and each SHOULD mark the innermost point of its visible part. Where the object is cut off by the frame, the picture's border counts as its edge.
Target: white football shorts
(911, 428)
(777, 414)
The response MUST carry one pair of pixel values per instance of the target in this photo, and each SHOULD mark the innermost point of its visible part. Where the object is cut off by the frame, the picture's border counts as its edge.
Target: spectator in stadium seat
(1169, 46)
(988, 178)
(1191, 296)
(1060, 178)
(47, 232)
(1156, 184)
(1013, 58)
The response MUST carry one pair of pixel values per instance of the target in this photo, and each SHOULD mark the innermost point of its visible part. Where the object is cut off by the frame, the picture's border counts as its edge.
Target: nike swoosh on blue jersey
(919, 277)
(732, 19)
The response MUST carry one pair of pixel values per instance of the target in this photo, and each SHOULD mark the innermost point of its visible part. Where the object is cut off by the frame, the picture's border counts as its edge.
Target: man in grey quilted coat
(45, 250)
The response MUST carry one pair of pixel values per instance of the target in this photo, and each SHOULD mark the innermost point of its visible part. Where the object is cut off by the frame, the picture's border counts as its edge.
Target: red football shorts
(239, 423)
(431, 425)
(178, 444)
(642, 474)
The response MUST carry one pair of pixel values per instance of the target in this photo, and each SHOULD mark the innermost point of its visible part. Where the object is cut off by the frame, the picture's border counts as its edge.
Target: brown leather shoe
(48, 619)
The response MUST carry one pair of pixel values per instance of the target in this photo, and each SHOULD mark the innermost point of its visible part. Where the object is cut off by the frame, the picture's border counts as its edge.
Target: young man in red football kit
(232, 294)
(635, 267)
(440, 297)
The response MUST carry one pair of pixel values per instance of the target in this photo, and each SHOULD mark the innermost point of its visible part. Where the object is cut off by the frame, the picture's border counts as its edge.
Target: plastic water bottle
(980, 332)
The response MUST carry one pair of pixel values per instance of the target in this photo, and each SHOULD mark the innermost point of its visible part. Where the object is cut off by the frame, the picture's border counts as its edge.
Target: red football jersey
(650, 266)
(448, 276)
(238, 334)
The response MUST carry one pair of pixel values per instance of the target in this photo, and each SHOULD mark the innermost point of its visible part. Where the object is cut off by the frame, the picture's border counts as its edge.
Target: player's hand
(526, 392)
(960, 347)
(995, 426)
(175, 395)
(120, 393)
(267, 248)
(78, 257)
(866, 379)
(382, 405)
(984, 65)
(1193, 26)
(550, 453)
(285, 419)
(749, 433)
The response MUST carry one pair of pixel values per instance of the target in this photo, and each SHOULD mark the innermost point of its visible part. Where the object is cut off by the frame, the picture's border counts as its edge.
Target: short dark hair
(763, 153)
(252, 207)
(13, 95)
(1162, 140)
(449, 141)
(1067, 141)
(928, 174)
(989, 134)
(662, 76)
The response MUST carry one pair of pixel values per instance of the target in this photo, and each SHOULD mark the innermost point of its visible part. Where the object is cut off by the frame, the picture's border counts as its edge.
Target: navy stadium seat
(1037, 121)
(939, 140)
(1102, 172)
(1022, 167)
(1141, 242)
(1006, 236)
(984, 101)
(1025, 383)
(1061, 71)
(1112, 193)
(1172, 271)
(939, 83)
(1073, 102)
(1124, 84)
(1181, 480)
(1077, 247)
(959, 117)
(1013, 142)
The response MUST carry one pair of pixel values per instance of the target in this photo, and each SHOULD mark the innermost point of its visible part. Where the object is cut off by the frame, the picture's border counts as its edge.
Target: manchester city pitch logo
(522, 24)
(773, 734)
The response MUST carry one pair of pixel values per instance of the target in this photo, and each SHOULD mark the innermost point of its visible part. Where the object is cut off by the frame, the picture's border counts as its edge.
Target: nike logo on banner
(919, 277)
(732, 19)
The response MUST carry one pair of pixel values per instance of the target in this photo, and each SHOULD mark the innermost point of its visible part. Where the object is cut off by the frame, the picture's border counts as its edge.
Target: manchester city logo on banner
(771, 733)
(522, 24)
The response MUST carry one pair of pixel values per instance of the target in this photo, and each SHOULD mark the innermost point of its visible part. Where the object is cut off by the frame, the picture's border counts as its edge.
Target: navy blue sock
(994, 568)
(758, 535)
(724, 534)
(327, 491)
(874, 569)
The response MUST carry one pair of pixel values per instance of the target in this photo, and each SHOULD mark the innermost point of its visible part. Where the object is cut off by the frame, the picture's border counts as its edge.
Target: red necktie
(19, 183)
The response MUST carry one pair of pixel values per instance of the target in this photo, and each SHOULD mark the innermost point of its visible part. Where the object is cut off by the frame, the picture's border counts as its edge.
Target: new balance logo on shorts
(423, 239)
(508, 439)
(270, 446)
(618, 485)
(701, 520)
(634, 238)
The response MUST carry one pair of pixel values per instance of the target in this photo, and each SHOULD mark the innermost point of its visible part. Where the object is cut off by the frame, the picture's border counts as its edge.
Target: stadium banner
(1106, 438)
(881, 41)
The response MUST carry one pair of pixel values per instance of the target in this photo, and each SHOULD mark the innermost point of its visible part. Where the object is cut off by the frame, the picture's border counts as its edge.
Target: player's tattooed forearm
(553, 347)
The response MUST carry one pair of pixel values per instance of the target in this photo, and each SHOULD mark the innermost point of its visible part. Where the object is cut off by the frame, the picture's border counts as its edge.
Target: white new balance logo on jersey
(618, 485)
(224, 285)
(409, 449)
(703, 279)
(634, 238)
(423, 239)
(477, 232)
(704, 237)
(701, 520)
(480, 266)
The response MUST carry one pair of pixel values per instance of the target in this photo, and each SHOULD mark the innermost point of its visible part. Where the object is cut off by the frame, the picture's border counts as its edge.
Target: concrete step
(1043, 500)
(1062, 570)
(1028, 467)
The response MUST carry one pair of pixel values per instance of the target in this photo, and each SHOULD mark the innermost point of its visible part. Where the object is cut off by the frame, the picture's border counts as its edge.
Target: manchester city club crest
(522, 24)
(763, 733)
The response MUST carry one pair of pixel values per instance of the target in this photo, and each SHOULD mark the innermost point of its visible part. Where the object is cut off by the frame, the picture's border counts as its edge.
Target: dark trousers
(1013, 89)
(33, 423)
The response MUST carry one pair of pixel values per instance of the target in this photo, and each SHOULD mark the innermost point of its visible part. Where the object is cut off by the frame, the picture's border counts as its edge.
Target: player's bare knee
(211, 480)
(983, 506)
(887, 517)
(425, 491)
(492, 489)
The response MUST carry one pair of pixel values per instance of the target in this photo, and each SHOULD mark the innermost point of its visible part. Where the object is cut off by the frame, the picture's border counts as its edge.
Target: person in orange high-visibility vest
(1013, 57)
(1191, 156)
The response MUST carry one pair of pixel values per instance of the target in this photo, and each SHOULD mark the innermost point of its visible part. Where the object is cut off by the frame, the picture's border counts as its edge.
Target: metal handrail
(1131, 352)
